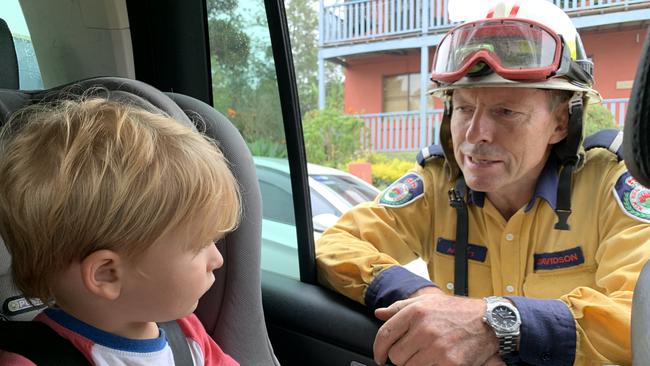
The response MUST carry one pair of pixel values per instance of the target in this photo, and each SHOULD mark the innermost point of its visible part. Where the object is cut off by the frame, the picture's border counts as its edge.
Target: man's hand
(434, 328)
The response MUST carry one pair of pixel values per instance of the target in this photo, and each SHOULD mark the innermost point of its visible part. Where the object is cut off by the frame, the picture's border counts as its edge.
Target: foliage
(331, 137)
(266, 147)
(243, 75)
(334, 92)
(598, 117)
(302, 19)
(383, 174)
(385, 169)
(243, 81)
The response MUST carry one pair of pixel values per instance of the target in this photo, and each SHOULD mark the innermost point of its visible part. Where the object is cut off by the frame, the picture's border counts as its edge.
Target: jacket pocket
(554, 283)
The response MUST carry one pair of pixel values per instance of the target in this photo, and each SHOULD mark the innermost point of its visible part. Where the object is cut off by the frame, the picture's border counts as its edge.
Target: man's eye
(463, 109)
(506, 112)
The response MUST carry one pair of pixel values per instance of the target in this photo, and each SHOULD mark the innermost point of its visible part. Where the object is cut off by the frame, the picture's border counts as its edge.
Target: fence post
(424, 73)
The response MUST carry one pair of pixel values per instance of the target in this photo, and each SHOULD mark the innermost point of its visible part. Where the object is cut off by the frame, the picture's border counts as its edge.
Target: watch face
(504, 318)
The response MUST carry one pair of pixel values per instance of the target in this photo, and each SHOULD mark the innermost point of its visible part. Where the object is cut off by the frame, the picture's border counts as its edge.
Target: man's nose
(480, 129)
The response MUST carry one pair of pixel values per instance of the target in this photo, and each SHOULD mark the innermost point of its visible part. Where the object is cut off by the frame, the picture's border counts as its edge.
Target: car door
(236, 56)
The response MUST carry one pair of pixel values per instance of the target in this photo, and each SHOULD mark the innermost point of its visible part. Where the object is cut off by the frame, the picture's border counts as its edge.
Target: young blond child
(111, 214)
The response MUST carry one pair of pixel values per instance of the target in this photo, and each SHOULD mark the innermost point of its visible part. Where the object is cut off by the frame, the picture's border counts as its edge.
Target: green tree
(302, 21)
(331, 137)
(598, 117)
(302, 18)
(243, 80)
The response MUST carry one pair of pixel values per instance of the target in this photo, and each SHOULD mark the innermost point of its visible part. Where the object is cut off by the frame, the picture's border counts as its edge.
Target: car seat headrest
(13, 305)
(8, 59)
(127, 90)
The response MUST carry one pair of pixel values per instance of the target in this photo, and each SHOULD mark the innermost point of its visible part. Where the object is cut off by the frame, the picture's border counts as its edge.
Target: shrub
(266, 147)
(598, 117)
(331, 137)
(383, 174)
(384, 169)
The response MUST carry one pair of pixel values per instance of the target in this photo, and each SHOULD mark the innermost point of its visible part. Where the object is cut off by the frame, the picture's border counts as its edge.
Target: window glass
(349, 189)
(245, 90)
(28, 72)
(402, 93)
(319, 205)
(396, 93)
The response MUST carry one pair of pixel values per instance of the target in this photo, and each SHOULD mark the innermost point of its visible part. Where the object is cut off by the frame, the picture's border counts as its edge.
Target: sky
(11, 13)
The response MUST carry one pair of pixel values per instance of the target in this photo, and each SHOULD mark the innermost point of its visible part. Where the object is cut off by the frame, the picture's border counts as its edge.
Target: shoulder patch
(402, 192)
(633, 198)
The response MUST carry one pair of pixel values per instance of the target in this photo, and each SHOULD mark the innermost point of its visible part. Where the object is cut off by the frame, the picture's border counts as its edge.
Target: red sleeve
(12, 359)
(214, 356)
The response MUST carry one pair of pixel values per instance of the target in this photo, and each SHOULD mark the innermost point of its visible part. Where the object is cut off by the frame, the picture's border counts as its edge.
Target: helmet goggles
(516, 49)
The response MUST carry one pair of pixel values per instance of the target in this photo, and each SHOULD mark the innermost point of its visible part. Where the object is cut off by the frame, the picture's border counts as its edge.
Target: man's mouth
(481, 161)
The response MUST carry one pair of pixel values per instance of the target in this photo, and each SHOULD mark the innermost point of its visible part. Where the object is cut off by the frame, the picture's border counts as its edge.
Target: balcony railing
(618, 108)
(363, 20)
(402, 131)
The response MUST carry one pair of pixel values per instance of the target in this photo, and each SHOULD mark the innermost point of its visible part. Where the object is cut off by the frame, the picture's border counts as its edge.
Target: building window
(402, 93)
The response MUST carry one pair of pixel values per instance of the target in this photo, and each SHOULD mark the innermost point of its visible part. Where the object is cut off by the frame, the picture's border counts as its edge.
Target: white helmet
(519, 44)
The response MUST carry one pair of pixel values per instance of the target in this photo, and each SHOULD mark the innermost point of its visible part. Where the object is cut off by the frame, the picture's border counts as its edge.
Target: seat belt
(177, 342)
(43, 346)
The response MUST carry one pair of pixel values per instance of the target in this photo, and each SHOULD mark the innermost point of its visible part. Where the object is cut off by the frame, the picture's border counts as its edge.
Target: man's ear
(561, 119)
(102, 273)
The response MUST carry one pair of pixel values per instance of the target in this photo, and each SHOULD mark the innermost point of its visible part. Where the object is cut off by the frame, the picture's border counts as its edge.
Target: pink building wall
(616, 55)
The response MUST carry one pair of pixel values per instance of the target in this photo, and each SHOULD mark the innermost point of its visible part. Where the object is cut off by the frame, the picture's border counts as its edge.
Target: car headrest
(636, 140)
(8, 59)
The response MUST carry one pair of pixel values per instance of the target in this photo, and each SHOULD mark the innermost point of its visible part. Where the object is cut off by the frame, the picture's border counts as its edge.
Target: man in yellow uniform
(544, 239)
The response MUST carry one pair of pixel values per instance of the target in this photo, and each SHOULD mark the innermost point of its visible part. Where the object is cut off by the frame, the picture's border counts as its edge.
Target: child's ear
(102, 273)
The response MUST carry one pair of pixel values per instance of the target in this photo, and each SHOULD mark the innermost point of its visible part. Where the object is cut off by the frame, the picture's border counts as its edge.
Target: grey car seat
(231, 310)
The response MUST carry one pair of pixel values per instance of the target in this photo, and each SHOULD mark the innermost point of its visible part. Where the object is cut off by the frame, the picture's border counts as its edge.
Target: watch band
(507, 341)
(507, 345)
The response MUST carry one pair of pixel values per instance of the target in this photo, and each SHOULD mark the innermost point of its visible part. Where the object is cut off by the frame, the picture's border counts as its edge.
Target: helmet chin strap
(567, 152)
(457, 200)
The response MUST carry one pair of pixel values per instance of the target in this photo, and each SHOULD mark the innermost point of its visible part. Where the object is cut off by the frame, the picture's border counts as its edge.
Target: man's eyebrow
(459, 98)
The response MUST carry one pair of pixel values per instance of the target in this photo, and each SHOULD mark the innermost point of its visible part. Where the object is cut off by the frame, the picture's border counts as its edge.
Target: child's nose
(215, 258)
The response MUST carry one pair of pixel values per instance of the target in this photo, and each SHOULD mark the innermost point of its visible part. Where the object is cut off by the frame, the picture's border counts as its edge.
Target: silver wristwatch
(504, 318)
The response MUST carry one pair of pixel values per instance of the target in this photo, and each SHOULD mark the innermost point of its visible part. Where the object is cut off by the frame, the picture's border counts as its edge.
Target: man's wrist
(428, 290)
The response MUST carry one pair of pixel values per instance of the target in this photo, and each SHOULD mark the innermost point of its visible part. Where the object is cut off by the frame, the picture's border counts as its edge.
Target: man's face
(503, 136)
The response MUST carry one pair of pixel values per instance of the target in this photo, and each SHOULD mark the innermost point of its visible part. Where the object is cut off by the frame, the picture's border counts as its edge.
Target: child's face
(167, 282)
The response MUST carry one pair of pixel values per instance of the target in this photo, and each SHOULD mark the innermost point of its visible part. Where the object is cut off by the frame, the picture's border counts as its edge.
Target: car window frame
(192, 76)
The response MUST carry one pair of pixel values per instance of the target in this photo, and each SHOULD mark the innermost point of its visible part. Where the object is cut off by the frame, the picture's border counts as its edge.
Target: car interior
(139, 49)
(157, 54)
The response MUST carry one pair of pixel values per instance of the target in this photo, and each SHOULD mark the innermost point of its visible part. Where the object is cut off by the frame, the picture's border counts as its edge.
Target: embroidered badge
(475, 252)
(633, 198)
(405, 190)
(565, 258)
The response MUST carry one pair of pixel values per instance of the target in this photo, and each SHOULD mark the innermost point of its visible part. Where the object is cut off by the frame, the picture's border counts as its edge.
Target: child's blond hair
(91, 174)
